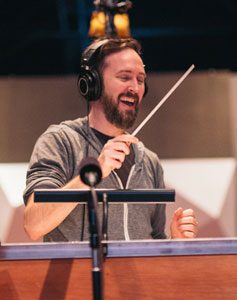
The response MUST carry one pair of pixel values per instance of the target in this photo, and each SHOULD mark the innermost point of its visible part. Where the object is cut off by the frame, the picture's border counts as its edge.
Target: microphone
(90, 171)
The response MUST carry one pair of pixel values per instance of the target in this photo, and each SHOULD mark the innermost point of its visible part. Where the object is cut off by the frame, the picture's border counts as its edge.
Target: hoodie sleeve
(51, 164)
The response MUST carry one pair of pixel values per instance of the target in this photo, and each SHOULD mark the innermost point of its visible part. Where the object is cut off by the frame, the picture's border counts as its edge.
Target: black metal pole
(96, 246)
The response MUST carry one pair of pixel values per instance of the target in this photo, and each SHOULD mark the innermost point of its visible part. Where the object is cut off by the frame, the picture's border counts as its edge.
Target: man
(112, 79)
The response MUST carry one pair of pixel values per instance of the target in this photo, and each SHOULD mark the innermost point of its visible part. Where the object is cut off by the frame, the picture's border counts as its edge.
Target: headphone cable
(86, 155)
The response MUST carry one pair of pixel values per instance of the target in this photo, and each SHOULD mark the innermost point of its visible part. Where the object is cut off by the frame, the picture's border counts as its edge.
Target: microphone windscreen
(90, 171)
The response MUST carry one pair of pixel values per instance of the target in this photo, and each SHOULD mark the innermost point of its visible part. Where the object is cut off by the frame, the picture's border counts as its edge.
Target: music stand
(148, 196)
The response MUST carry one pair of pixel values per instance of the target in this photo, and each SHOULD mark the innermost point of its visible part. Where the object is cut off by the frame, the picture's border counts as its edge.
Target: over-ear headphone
(89, 80)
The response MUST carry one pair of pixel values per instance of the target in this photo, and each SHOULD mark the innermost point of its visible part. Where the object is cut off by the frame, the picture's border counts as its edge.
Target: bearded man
(113, 80)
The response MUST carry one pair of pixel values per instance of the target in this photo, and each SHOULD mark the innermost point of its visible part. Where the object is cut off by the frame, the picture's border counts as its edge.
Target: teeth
(127, 100)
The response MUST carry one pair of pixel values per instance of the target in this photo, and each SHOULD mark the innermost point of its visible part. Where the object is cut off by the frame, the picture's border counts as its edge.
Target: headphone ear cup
(90, 85)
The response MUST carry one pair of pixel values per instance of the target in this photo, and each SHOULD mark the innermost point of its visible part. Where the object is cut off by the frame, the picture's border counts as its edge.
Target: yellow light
(121, 22)
(98, 25)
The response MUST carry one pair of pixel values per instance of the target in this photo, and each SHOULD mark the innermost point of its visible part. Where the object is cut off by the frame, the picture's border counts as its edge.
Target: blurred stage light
(98, 25)
(110, 19)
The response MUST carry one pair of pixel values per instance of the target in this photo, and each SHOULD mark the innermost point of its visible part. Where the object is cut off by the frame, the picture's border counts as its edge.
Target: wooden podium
(152, 269)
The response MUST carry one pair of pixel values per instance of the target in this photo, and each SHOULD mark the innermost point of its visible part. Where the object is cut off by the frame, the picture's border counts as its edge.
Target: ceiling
(47, 37)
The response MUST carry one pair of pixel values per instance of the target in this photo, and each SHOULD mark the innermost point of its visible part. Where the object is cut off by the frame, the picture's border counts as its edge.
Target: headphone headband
(87, 58)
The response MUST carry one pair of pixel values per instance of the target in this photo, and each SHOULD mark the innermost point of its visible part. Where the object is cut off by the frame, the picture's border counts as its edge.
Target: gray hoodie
(55, 161)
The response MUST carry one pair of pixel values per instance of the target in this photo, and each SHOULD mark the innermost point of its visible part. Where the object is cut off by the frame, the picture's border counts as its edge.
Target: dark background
(47, 37)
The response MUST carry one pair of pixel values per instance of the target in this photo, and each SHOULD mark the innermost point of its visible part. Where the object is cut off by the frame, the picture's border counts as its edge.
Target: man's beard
(122, 119)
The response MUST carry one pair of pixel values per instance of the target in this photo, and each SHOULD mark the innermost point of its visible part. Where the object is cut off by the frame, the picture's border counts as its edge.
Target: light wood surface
(174, 277)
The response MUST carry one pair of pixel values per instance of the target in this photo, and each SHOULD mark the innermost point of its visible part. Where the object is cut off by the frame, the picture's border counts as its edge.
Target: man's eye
(124, 78)
(141, 81)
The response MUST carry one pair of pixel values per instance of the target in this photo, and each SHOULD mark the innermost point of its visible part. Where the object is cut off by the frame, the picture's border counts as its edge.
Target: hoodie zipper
(125, 205)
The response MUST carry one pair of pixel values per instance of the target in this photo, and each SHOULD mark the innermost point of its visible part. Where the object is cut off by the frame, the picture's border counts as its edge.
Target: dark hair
(111, 45)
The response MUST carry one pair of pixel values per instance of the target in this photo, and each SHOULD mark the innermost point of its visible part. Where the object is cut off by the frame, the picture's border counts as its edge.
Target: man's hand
(113, 153)
(183, 224)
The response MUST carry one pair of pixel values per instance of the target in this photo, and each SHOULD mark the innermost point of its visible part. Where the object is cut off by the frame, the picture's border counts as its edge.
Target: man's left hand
(183, 224)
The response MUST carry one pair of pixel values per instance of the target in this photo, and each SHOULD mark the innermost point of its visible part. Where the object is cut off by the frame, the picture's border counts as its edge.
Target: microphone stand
(91, 174)
(105, 224)
(96, 246)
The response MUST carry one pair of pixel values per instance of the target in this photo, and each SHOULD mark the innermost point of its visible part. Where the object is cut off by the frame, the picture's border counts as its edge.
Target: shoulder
(65, 130)
(77, 125)
(63, 137)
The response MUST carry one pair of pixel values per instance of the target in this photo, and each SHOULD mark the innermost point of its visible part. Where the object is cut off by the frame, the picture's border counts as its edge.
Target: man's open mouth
(128, 101)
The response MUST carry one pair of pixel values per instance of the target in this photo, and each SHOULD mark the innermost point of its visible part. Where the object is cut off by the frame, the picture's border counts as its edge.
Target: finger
(188, 212)
(188, 220)
(178, 213)
(118, 146)
(114, 155)
(187, 227)
(126, 138)
(189, 234)
(109, 164)
(114, 164)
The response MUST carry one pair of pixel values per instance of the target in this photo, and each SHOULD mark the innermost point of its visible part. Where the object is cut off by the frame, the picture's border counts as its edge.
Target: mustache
(130, 95)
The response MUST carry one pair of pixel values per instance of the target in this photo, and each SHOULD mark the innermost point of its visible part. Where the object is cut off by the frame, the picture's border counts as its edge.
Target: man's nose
(133, 87)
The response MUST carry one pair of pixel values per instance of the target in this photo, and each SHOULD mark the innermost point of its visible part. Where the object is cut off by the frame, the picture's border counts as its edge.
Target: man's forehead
(125, 59)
